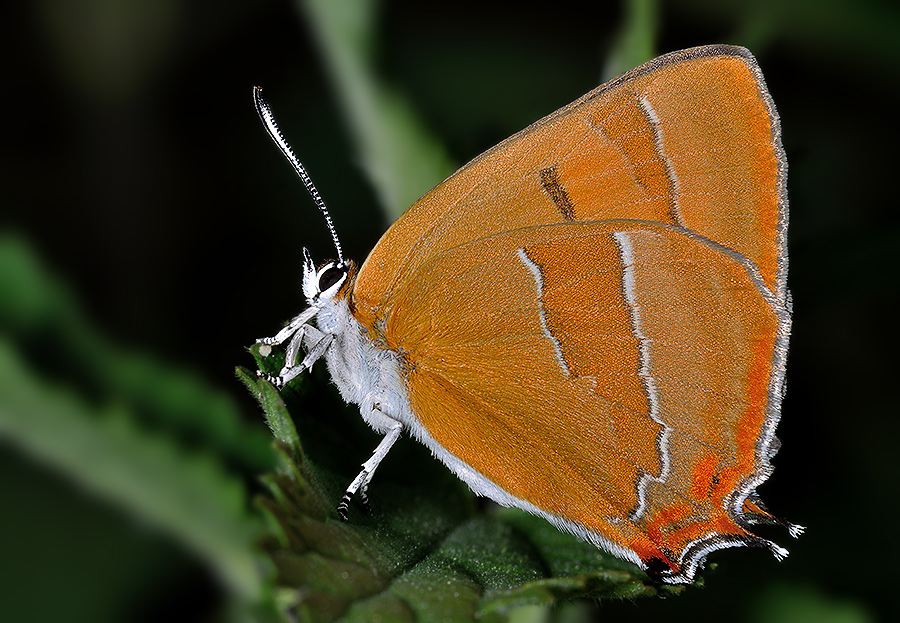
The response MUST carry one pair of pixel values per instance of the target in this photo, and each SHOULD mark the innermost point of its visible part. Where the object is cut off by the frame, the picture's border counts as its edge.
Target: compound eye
(330, 277)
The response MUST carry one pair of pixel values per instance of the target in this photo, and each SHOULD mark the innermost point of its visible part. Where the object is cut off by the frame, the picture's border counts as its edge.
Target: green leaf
(277, 416)
(399, 155)
(41, 317)
(635, 42)
(150, 439)
(186, 494)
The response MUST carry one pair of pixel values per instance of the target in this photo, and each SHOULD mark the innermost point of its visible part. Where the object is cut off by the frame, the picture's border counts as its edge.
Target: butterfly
(590, 320)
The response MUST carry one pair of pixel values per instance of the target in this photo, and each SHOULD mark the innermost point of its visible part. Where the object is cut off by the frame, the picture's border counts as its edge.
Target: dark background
(133, 163)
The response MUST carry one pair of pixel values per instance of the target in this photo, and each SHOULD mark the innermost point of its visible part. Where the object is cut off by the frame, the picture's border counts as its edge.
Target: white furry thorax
(364, 373)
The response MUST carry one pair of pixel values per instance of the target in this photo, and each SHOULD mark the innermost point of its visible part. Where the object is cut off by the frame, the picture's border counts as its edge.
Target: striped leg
(292, 327)
(364, 498)
(291, 370)
(361, 482)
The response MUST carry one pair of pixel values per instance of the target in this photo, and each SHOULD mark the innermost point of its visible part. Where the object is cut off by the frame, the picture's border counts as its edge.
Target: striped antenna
(265, 113)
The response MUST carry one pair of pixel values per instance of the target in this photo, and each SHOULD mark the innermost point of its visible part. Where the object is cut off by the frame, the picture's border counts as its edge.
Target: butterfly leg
(292, 327)
(361, 482)
(364, 497)
(316, 343)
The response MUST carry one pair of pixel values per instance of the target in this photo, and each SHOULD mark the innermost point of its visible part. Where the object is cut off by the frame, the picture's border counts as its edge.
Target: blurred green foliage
(400, 157)
(151, 440)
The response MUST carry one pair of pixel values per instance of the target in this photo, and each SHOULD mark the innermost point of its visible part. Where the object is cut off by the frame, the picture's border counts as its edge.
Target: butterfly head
(321, 285)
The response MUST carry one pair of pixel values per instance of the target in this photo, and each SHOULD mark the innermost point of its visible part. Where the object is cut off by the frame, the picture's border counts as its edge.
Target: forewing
(689, 139)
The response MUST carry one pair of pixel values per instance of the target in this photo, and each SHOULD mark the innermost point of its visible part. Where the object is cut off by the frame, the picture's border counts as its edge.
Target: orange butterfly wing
(664, 143)
(629, 407)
